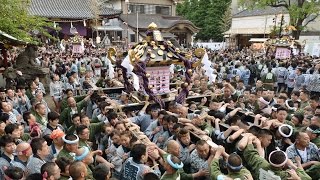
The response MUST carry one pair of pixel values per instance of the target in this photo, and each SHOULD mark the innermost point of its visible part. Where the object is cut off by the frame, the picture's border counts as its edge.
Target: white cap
(19, 73)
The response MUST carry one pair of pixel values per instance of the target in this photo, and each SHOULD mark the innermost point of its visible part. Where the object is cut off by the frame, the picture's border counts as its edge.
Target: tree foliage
(226, 20)
(15, 20)
(205, 14)
(301, 12)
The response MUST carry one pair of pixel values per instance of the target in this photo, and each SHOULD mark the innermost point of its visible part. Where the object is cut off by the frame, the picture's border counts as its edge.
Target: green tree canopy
(301, 12)
(206, 14)
(226, 20)
(15, 20)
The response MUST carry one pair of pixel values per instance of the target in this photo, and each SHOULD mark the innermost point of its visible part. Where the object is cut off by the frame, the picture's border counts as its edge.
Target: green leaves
(301, 12)
(206, 14)
(226, 20)
(15, 20)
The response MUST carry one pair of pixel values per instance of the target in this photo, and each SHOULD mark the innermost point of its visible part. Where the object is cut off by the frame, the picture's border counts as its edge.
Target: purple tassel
(188, 65)
(140, 70)
(182, 96)
(127, 86)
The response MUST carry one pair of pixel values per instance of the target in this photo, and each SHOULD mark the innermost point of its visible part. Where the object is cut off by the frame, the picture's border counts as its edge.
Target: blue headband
(235, 168)
(83, 155)
(70, 141)
(172, 164)
(221, 177)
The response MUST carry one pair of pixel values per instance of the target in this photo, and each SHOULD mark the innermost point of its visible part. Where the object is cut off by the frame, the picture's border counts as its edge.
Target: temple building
(82, 16)
(122, 21)
(140, 13)
(254, 26)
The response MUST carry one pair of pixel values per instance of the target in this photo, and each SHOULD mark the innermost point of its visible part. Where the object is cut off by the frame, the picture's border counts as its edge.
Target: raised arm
(214, 166)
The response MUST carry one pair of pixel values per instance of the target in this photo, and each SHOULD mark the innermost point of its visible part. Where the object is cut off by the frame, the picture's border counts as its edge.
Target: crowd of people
(258, 119)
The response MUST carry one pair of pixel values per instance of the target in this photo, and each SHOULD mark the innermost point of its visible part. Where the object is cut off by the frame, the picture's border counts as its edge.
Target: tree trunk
(5, 56)
(296, 34)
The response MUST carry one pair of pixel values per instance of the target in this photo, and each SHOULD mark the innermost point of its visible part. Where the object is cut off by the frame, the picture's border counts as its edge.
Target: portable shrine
(146, 68)
(76, 42)
(283, 48)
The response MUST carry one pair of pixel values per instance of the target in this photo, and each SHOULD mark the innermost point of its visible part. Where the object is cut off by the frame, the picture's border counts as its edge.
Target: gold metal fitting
(152, 26)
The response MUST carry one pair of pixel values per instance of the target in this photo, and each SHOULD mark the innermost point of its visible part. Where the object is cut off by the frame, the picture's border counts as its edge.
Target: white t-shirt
(303, 155)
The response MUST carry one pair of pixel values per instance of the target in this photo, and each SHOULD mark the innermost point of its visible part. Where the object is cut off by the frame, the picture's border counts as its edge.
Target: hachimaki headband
(172, 164)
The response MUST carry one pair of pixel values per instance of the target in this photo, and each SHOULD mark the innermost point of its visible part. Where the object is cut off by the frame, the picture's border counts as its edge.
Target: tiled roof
(68, 9)
(109, 12)
(163, 22)
(8, 39)
(259, 11)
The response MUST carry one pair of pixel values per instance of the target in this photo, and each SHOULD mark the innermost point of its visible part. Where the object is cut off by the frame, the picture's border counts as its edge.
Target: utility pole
(137, 27)
(275, 24)
(127, 19)
(281, 23)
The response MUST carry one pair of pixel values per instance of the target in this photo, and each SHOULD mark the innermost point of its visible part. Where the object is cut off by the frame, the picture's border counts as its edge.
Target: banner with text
(283, 53)
(316, 49)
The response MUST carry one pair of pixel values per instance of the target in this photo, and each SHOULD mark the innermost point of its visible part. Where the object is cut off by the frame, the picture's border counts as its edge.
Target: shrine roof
(260, 12)
(67, 9)
(10, 40)
(163, 22)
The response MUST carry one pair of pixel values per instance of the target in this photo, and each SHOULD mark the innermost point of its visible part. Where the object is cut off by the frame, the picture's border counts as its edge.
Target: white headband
(172, 164)
(70, 141)
(316, 131)
(83, 155)
(278, 165)
(261, 99)
(285, 135)
(289, 107)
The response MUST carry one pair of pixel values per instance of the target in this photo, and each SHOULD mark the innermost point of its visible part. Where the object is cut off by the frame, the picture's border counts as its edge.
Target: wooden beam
(139, 106)
(113, 90)
(249, 117)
